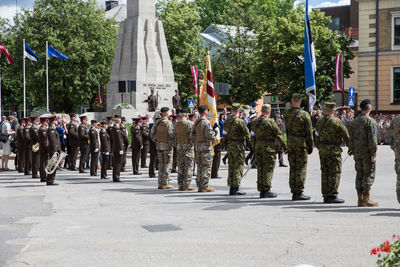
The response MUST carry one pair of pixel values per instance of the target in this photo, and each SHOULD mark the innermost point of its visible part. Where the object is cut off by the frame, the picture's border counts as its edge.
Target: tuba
(35, 147)
(54, 162)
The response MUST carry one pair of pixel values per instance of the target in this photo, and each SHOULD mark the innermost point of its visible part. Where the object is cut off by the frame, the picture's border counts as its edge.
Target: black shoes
(267, 194)
(82, 172)
(51, 183)
(300, 197)
(224, 160)
(234, 191)
(137, 173)
(283, 165)
(333, 200)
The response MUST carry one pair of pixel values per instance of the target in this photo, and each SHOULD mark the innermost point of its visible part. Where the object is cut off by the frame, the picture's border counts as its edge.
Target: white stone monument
(141, 60)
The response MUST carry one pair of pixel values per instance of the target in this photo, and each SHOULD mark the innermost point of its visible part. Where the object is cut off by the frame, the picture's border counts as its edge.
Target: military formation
(186, 142)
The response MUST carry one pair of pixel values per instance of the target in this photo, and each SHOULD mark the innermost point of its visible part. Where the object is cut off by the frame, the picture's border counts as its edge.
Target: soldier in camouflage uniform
(281, 124)
(395, 145)
(204, 137)
(266, 134)
(162, 135)
(363, 143)
(185, 151)
(300, 143)
(235, 134)
(330, 133)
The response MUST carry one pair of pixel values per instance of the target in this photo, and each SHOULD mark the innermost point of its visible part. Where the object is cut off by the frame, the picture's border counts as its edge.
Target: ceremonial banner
(338, 85)
(10, 60)
(310, 65)
(195, 75)
(211, 102)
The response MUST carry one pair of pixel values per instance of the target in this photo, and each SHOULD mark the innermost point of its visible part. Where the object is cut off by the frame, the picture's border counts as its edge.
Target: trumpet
(35, 147)
(54, 162)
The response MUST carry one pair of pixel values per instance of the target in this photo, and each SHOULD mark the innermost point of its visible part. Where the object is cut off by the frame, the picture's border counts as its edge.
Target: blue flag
(55, 53)
(30, 54)
(310, 65)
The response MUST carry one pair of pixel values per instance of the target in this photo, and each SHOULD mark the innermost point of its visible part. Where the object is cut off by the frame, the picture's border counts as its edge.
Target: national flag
(195, 75)
(338, 85)
(3, 50)
(54, 53)
(30, 54)
(310, 65)
(100, 94)
(211, 102)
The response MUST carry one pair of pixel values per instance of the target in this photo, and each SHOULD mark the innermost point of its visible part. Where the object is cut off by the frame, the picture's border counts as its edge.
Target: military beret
(22, 120)
(93, 121)
(330, 105)
(28, 119)
(296, 97)
(235, 106)
(202, 108)
(164, 109)
(184, 111)
(365, 103)
(266, 107)
(54, 118)
(44, 119)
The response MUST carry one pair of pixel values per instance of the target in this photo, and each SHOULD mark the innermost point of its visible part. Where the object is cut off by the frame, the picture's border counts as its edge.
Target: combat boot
(333, 200)
(188, 188)
(181, 187)
(203, 189)
(367, 202)
(299, 197)
(236, 192)
(360, 199)
(267, 194)
(166, 186)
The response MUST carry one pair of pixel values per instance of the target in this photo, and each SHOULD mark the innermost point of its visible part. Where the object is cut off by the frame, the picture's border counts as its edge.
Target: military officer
(54, 146)
(34, 134)
(109, 130)
(83, 134)
(177, 102)
(105, 149)
(153, 148)
(94, 141)
(162, 135)
(126, 141)
(363, 143)
(330, 133)
(136, 144)
(300, 143)
(281, 124)
(185, 152)
(146, 141)
(43, 148)
(204, 137)
(235, 135)
(20, 146)
(118, 149)
(394, 141)
(73, 141)
(174, 155)
(266, 135)
(28, 147)
(152, 101)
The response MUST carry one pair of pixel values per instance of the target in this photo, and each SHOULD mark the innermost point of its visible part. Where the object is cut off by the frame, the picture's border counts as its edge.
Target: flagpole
(23, 55)
(1, 108)
(47, 75)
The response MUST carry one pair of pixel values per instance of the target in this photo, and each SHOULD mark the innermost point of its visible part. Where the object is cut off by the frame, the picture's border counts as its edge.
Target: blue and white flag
(54, 53)
(30, 54)
(310, 65)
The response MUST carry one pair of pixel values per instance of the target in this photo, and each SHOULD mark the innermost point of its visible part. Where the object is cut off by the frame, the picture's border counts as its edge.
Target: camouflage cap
(235, 106)
(296, 97)
(266, 107)
(330, 105)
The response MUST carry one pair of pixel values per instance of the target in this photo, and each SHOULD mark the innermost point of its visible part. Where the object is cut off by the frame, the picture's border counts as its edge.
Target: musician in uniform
(43, 148)
(83, 134)
(105, 149)
(34, 134)
(126, 142)
(73, 141)
(109, 131)
(136, 144)
(20, 146)
(152, 101)
(94, 147)
(28, 147)
(146, 141)
(118, 149)
(54, 146)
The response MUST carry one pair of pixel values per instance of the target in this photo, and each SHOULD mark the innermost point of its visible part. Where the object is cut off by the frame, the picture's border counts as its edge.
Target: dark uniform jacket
(117, 139)
(125, 136)
(54, 140)
(152, 101)
(34, 134)
(176, 102)
(136, 135)
(83, 136)
(145, 134)
(94, 139)
(20, 137)
(73, 136)
(43, 140)
(105, 141)
(27, 138)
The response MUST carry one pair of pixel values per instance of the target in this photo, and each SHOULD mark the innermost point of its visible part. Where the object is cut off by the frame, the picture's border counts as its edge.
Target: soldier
(20, 146)
(126, 142)
(235, 135)
(185, 152)
(83, 134)
(330, 133)
(177, 102)
(162, 135)
(300, 142)
(146, 141)
(204, 137)
(281, 124)
(118, 149)
(153, 149)
(395, 145)
(94, 147)
(193, 118)
(73, 141)
(136, 144)
(152, 101)
(109, 131)
(43, 148)
(174, 119)
(105, 149)
(28, 147)
(266, 135)
(34, 134)
(363, 143)
(54, 146)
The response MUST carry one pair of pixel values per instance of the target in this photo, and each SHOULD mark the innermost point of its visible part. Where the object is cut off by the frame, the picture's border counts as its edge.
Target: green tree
(78, 29)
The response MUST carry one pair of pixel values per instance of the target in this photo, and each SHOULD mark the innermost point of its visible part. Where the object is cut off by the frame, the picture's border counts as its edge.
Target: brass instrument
(35, 147)
(54, 162)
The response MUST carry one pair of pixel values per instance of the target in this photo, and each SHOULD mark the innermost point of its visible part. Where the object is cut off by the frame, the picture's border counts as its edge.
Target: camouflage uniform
(236, 134)
(299, 141)
(330, 134)
(266, 134)
(185, 152)
(395, 145)
(204, 137)
(162, 134)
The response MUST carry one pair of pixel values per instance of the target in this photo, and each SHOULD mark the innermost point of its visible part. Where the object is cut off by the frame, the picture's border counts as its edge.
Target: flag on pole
(28, 53)
(211, 102)
(310, 65)
(3, 50)
(100, 94)
(338, 85)
(195, 75)
(54, 53)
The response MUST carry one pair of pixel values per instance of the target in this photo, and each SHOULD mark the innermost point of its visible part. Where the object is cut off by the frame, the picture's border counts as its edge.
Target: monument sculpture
(141, 60)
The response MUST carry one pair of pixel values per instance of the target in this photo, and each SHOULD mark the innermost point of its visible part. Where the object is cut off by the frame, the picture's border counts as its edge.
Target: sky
(8, 8)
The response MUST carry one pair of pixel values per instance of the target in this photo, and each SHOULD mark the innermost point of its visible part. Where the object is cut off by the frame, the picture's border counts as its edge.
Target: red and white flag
(3, 50)
(100, 94)
(211, 102)
(338, 85)
(195, 75)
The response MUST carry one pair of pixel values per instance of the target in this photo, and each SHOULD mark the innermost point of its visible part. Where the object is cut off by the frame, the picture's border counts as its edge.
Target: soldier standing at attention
(153, 148)
(152, 101)
(204, 137)
(300, 143)
(162, 134)
(363, 143)
(83, 134)
(109, 131)
(136, 144)
(177, 102)
(105, 149)
(94, 148)
(395, 145)
(73, 141)
(330, 133)
(43, 148)
(235, 135)
(34, 134)
(146, 141)
(20, 146)
(281, 124)
(126, 141)
(54, 146)
(28, 147)
(266, 135)
(118, 149)
(185, 152)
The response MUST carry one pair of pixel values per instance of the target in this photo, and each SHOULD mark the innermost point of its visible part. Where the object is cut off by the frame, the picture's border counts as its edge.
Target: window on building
(335, 24)
(131, 86)
(396, 31)
(396, 84)
(122, 86)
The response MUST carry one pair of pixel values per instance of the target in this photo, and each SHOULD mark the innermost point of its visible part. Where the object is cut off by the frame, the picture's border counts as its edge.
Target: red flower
(375, 251)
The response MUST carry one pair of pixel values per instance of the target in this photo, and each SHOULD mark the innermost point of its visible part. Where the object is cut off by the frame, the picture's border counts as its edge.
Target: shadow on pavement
(387, 214)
